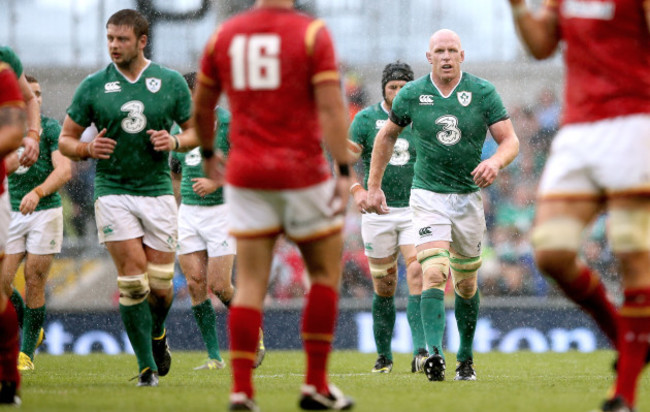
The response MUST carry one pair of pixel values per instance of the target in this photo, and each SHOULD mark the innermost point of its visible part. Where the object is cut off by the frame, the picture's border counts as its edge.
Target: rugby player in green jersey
(449, 112)
(36, 227)
(132, 101)
(384, 236)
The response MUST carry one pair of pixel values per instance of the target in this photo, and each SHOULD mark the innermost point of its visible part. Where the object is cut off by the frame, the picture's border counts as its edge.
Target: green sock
(34, 319)
(159, 313)
(206, 320)
(18, 302)
(383, 322)
(433, 318)
(137, 322)
(414, 316)
(466, 317)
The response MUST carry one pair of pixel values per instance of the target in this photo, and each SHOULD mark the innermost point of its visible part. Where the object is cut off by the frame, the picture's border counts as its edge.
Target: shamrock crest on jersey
(153, 84)
(193, 157)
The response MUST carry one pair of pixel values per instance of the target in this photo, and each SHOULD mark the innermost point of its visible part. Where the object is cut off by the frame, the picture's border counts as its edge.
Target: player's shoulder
(223, 115)
(416, 87)
(49, 122)
(477, 84)
(156, 69)
(371, 112)
(100, 77)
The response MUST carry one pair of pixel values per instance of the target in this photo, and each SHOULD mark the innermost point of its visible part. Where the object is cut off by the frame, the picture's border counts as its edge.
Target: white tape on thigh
(379, 271)
(161, 275)
(435, 260)
(463, 268)
(562, 233)
(629, 230)
(133, 289)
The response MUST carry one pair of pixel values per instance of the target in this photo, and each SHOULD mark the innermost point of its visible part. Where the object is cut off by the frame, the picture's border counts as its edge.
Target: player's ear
(429, 57)
(462, 56)
(142, 41)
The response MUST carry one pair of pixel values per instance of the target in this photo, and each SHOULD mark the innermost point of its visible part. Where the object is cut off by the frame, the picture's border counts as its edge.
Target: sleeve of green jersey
(183, 108)
(9, 56)
(399, 113)
(222, 140)
(81, 110)
(494, 111)
(51, 132)
(357, 132)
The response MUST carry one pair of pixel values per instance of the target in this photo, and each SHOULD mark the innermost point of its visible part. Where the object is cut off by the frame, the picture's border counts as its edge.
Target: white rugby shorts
(457, 218)
(302, 214)
(123, 217)
(384, 234)
(5, 217)
(204, 228)
(39, 233)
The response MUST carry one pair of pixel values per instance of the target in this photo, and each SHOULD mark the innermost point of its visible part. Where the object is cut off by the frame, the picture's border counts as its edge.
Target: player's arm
(12, 128)
(646, 8)
(382, 151)
(538, 32)
(101, 147)
(60, 175)
(333, 119)
(205, 100)
(31, 140)
(505, 136)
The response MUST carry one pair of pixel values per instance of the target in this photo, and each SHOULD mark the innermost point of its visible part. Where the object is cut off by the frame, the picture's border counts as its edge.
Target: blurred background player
(12, 129)
(450, 112)
(36, 228)
(277, 177)
(135, 207)
(384, 236)
(206, 251)
(599, 161)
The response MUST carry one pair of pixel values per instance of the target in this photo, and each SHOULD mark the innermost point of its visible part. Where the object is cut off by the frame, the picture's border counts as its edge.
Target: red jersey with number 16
(268, 62)
(10, 96)
(607, 56)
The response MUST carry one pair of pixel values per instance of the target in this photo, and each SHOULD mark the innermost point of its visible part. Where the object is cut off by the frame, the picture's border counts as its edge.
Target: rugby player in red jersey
(599, 162)
(279, 72)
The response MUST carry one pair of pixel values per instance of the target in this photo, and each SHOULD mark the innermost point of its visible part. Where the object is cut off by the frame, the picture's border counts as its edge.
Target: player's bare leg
(10, 265)
(254, 257)
(322, 259)
(131, 264)
(629, 238)
(413, 307)
(556, 239)
(384, 281)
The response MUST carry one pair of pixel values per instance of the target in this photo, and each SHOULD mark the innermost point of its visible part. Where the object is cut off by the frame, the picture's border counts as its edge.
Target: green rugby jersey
(154, 101)
(10, 57)
(24, 179)
(192, 164)
(450, 130)
(398, 176)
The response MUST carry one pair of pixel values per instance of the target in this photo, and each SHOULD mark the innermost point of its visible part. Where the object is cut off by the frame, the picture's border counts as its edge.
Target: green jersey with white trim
(398, 176)
(192, 164)
(24, 179)
(450, 129)
(127, 109)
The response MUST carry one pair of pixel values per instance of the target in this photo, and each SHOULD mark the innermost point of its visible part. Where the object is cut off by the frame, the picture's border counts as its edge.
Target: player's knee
(561, 233)
(435, 267)
(383, 270)
(133, 289)
(629, 230)
(160, 275)
(465, 273)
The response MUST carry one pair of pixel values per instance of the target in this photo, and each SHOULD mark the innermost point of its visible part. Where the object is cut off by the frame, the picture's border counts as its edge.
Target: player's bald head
(444, 35)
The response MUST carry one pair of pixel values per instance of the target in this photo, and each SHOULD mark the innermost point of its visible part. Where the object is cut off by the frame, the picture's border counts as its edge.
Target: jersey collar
(139, 74)
(460, 78)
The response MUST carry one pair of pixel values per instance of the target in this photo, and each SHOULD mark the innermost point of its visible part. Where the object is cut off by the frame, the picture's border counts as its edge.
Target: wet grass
(520, 381)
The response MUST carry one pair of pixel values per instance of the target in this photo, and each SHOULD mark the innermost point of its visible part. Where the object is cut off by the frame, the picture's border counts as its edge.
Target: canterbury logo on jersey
(380, 123)
(426, 99)
(112, 87)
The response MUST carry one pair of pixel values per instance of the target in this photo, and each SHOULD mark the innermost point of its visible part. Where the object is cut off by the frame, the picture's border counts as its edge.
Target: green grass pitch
(521, 381)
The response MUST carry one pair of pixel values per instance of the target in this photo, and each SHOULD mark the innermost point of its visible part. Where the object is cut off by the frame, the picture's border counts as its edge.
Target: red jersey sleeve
(321, 49)
(208, 73)
(10, 94)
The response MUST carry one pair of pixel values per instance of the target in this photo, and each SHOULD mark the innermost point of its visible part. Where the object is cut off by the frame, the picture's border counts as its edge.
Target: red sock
(9, 345)
(633, 342)
(318, 322)
(588, 291)
(244, 325)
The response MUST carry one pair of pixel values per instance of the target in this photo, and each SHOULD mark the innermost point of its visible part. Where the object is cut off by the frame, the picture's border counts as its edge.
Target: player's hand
(215, 168)
(162, 141)
(376, 202)
(29, 203)
(485, 173)
(339, 200)
(203, 186)
(102, 147)
(360, 197)
(30, 155)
